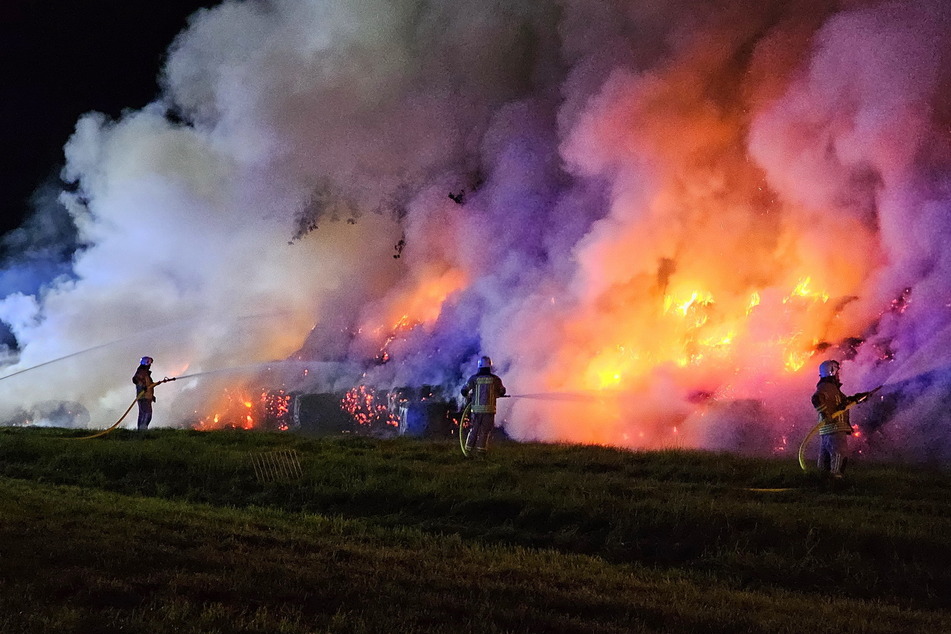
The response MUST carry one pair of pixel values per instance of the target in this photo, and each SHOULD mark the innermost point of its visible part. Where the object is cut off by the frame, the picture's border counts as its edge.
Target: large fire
(691, 335)
(238, 409)
(415, 305)
(696, 330)
(418, 306)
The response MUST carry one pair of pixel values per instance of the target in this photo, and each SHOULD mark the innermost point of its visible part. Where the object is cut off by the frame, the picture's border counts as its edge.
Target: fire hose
(463, 427)
(815, 429)
(466, 413)
(805, 441)
(138, 397)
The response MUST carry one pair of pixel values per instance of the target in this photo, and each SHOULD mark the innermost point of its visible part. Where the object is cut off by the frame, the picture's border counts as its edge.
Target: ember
(235, 410)
(276, 406)
(367, 410)
(270, 410)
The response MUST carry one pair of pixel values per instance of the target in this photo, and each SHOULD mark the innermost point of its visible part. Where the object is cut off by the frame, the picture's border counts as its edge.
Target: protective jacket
(832, 406)
(485, 388)
(144, 386)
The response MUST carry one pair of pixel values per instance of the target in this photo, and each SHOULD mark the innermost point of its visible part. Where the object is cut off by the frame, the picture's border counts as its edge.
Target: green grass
(173, 533)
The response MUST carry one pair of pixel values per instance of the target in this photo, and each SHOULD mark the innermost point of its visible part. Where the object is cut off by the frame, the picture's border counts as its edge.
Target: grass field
(174, 533)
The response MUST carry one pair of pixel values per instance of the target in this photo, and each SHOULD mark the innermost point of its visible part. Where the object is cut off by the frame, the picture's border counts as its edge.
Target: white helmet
(485, 362)
(145, 361)
(828, 368)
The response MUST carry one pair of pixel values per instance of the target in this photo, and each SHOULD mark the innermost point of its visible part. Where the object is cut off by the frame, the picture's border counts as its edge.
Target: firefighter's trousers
(478, 438)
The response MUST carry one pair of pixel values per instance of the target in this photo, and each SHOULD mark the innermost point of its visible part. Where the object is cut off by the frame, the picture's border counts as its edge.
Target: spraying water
(935, 356)
(63, 358)
(138, 338)
(281, 365)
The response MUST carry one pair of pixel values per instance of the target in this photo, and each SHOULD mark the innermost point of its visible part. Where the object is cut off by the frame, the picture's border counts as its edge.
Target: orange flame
(366, 409)
(417, 306)
(234, 409)
(695, 331)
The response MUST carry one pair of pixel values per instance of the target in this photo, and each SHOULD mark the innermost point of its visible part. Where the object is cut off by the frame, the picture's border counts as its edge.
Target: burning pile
(367, 410)
(236, 410)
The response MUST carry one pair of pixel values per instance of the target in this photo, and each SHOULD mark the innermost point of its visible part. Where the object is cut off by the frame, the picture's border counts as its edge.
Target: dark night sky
(62, 58)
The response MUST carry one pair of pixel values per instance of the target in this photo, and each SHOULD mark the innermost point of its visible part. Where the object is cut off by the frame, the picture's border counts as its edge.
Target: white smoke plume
(675, 208)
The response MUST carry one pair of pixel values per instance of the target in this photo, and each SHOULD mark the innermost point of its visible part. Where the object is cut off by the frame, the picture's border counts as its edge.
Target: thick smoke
(670, 210)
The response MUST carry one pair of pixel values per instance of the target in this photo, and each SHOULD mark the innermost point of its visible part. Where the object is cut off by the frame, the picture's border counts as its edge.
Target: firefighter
(482, 388)
(834, 426)
(144, 392)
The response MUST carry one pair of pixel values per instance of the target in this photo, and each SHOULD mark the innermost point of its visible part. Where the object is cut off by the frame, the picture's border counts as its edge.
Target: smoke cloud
(671, 210)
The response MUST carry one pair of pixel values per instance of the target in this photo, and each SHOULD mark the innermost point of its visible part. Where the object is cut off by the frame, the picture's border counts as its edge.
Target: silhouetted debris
(459, 198)
(176, 117)
(666, 267)
(851, 345)
(699, 396)
(399, 248)
(324, 204)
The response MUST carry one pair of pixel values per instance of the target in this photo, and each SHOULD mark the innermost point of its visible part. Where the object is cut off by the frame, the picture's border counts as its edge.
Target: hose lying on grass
(126, 413)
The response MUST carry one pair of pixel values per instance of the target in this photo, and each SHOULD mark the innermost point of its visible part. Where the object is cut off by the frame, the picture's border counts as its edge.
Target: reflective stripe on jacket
(144, 386)
(832, 406)
(484, 389)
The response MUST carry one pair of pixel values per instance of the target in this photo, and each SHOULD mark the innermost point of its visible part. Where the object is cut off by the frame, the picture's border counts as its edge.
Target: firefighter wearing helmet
(482, 388)
(144, 392)
(832, 406)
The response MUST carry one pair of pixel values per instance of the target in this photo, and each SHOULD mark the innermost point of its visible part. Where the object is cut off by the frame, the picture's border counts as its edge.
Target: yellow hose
(850, 404)
(126, 413)
(114, 425)
(462, 436)
(802, 446)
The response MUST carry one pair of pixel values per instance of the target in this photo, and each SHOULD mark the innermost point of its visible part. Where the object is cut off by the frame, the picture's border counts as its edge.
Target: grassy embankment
(174, 533)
